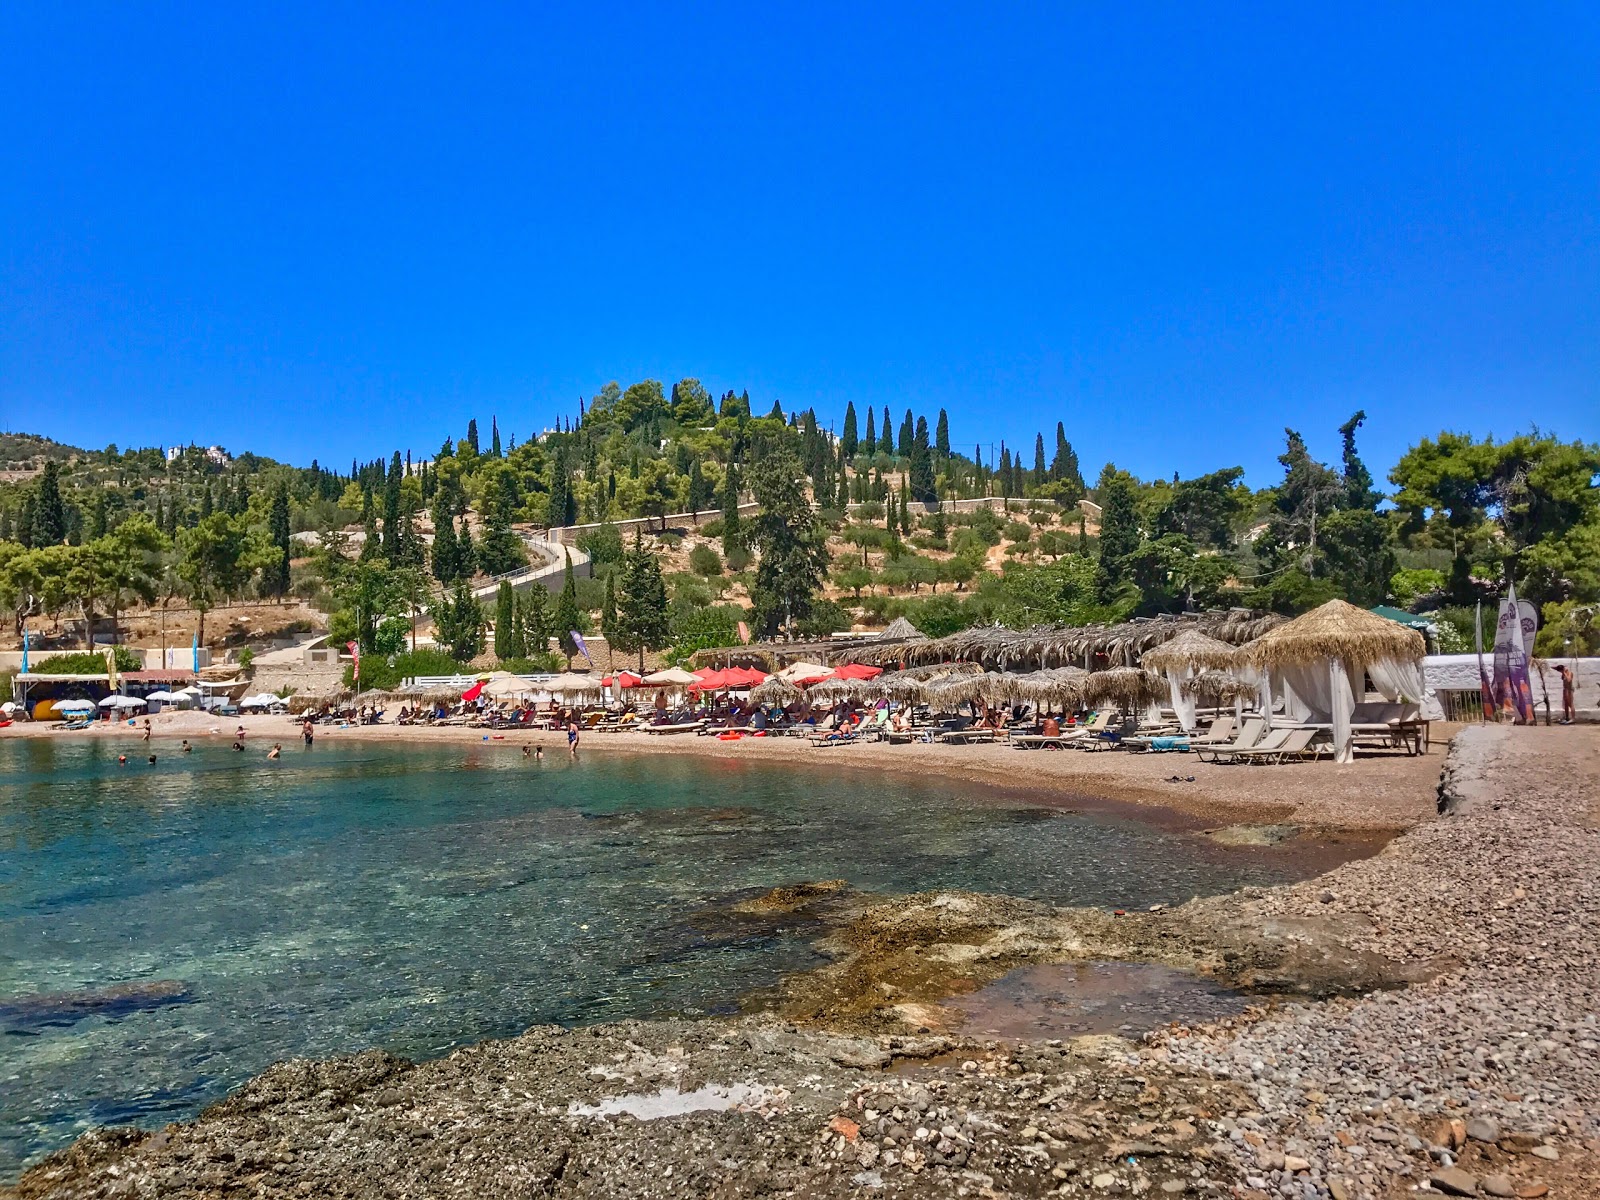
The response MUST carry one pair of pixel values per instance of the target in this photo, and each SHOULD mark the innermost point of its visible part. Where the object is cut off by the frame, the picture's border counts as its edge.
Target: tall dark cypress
(49, 524)
(277, 577)
(941, 436)
(907, 431)
(849, 437)
(886, 434)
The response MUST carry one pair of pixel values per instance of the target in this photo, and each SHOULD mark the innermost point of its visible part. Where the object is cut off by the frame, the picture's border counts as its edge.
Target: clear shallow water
(168, 931)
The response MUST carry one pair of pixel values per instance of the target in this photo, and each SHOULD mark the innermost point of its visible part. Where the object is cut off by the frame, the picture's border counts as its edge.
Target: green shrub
(703, 560)
(1017, 531)
(739, 559)
(603, 543)
(87, 663)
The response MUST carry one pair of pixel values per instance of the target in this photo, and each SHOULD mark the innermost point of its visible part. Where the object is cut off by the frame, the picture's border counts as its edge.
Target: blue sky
(335, 230)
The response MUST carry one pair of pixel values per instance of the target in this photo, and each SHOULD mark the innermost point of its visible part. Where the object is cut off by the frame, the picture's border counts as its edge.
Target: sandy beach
(1377, 794)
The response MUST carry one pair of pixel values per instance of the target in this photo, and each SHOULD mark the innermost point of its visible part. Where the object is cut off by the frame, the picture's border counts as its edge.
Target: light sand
(1378, 793)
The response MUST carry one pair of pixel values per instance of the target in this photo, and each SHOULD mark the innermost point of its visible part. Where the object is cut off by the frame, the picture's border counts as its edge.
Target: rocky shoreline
(1446, 1039)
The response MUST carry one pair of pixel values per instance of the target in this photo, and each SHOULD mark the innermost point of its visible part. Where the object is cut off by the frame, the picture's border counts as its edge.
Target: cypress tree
(848, 438)
(519, 637)
(941, 436)
(466, 553)
(922, 482)
(391, 510)
(907, 430)
(49, 513)
(886, 434)
(870, 446)
(731, 533)
(95, 527)
(277, 577)
(494, 437)
(536, 620)
(567, 615)
(608, 608)
(472, 434)
(25, 522)
(505, 619)
(5, 525)
(1005, 472)
(444, 540)
(1038, 460)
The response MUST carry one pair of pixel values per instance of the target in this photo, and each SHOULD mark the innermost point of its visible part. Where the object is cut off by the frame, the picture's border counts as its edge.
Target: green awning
(1409, 620)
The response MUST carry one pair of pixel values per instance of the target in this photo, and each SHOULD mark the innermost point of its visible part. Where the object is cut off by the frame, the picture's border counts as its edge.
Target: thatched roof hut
(911, 683)
(1126, 687)
(1336, 629)
(1089, 646)
(1191, 650)
(1319, 663)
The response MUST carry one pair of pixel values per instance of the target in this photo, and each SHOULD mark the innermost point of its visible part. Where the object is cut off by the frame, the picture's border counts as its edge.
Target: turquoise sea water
(168, 931)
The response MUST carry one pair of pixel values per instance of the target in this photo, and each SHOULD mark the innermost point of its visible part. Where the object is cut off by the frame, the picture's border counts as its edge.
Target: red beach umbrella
(857, 671)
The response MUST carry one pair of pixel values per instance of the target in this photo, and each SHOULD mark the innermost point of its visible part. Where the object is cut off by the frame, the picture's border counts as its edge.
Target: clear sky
(337, 230)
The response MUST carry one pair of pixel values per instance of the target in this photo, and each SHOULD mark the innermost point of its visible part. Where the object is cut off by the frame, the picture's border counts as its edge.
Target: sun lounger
(680, 727)
(1270, 743)
(1295, 745)
(1039, 741)
(1249, 734)
(961, 737)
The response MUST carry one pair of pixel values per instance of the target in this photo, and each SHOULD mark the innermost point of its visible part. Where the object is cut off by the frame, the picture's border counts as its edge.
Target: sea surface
(168, 931)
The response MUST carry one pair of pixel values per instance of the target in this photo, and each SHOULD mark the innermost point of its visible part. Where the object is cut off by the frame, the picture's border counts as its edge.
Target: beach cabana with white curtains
(1181, 659)
(1316, 664)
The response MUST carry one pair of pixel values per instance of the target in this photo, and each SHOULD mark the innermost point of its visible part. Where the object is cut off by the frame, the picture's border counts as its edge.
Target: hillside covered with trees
(809, 524)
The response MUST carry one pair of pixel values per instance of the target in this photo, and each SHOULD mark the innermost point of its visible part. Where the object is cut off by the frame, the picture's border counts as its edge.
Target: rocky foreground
(1479, 1076)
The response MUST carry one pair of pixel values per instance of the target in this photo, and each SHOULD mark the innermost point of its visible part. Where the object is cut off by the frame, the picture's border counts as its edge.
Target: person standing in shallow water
(306, 733)
(572, 735)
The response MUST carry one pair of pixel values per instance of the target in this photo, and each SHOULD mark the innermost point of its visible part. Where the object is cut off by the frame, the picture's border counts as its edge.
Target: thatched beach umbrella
(1320, 659)
(1221, 686)
(1061, 686)
(774, 690)
(571, 684)
(1128, 688)
(845, 689)
(1183, 656)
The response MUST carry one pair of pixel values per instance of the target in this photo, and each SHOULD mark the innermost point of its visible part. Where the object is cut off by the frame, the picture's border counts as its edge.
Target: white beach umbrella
(8, 707)
(803, 670)
(166, 697)
(74, 706)
(110, 702)
(671, 677)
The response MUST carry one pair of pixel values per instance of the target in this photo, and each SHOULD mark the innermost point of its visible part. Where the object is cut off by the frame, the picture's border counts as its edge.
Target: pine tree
(941, 436)
(505, 617)
(501, 549)
(49, 513)
(642, 606)
(848, 438)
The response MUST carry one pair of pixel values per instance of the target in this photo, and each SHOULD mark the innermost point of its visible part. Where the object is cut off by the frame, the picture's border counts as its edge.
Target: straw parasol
(570, 683)
(795, 672)
(911, 683)
(1190, 650)
(902, 630)
(1336, 629)
(775, 691)
(845, 689)
(1126, 687)
(1218, 685)
(1057, 685)
(503, 685)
